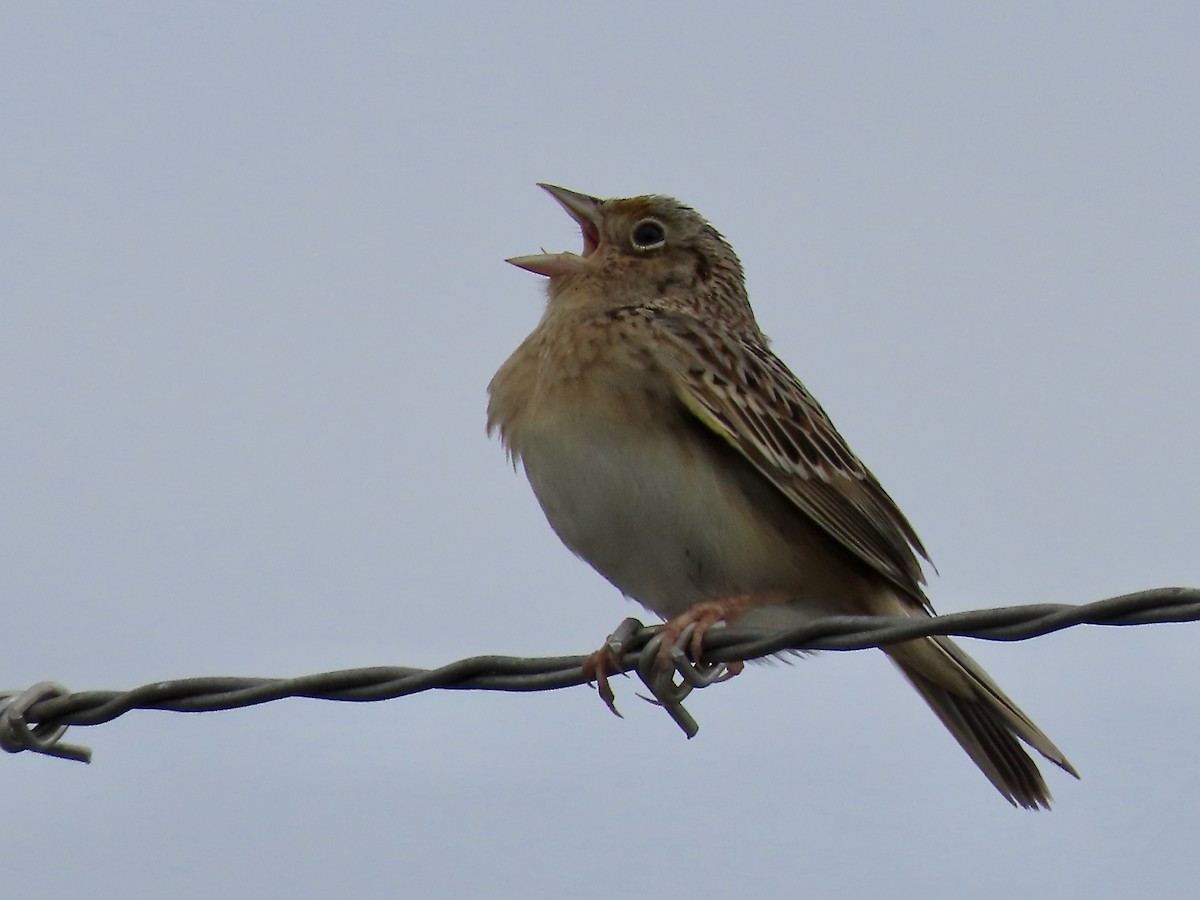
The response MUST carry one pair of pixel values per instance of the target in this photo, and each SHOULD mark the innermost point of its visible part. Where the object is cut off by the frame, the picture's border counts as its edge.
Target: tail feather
(981, 717)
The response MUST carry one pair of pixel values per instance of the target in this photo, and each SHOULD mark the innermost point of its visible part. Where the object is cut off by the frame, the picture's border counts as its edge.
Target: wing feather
(741, 391)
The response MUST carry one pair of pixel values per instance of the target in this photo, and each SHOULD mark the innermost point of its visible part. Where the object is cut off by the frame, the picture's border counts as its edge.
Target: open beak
(583, 209)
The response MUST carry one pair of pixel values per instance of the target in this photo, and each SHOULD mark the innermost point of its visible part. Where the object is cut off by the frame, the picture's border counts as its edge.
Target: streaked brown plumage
(674, 452)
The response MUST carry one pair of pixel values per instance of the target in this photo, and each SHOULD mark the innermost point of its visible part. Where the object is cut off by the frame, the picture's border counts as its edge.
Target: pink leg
(596, 668)
(703, 616)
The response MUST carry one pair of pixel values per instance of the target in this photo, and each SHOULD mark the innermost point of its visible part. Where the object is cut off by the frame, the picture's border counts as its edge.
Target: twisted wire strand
(36, 719)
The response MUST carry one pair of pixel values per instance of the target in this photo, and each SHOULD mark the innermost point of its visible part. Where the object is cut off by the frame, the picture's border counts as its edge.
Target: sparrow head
(649, 250)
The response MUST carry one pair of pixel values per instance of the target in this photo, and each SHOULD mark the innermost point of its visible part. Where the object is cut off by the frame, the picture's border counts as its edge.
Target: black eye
(649, 234)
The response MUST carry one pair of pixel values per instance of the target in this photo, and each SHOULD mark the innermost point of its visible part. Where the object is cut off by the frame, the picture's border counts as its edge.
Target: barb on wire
(36, 718)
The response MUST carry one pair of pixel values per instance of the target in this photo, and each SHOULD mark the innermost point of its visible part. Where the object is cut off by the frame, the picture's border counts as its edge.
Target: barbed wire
(36, 719)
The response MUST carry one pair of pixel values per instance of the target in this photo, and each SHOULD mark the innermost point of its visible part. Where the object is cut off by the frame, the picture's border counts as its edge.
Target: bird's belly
(653, 511)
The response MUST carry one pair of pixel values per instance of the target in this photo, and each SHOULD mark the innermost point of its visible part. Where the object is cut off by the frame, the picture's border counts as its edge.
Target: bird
(671, 449)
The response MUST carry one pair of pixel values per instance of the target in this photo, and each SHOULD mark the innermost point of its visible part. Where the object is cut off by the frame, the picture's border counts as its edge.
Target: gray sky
(252, 294)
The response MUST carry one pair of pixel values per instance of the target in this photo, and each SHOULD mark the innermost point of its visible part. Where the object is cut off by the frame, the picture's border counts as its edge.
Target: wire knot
(16, 734)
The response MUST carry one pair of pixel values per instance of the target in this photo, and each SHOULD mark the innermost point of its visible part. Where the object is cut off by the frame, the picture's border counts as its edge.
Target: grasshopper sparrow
(674, 452)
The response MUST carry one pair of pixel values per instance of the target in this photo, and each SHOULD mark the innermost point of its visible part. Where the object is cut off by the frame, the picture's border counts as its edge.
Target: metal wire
(36, 719)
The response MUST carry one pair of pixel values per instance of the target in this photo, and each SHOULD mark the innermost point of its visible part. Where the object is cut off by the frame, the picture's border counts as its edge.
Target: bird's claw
(598, 665)
(667, 653)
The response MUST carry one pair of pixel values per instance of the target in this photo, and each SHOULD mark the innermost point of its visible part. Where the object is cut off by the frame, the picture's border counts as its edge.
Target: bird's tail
(981, 717)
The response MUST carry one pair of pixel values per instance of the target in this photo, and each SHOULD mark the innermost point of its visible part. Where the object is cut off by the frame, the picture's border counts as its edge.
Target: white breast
(652, 513)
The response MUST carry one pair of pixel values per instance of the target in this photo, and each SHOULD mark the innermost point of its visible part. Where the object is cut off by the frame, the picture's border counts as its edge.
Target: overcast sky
(252, 290)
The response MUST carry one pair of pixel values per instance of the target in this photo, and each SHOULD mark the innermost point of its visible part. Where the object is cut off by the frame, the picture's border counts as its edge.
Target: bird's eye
(649, 234)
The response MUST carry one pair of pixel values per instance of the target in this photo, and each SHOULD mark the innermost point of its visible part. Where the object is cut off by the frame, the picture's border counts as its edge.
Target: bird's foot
(678, 648)
(675, 649)
(696, 623)
(608, 659)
